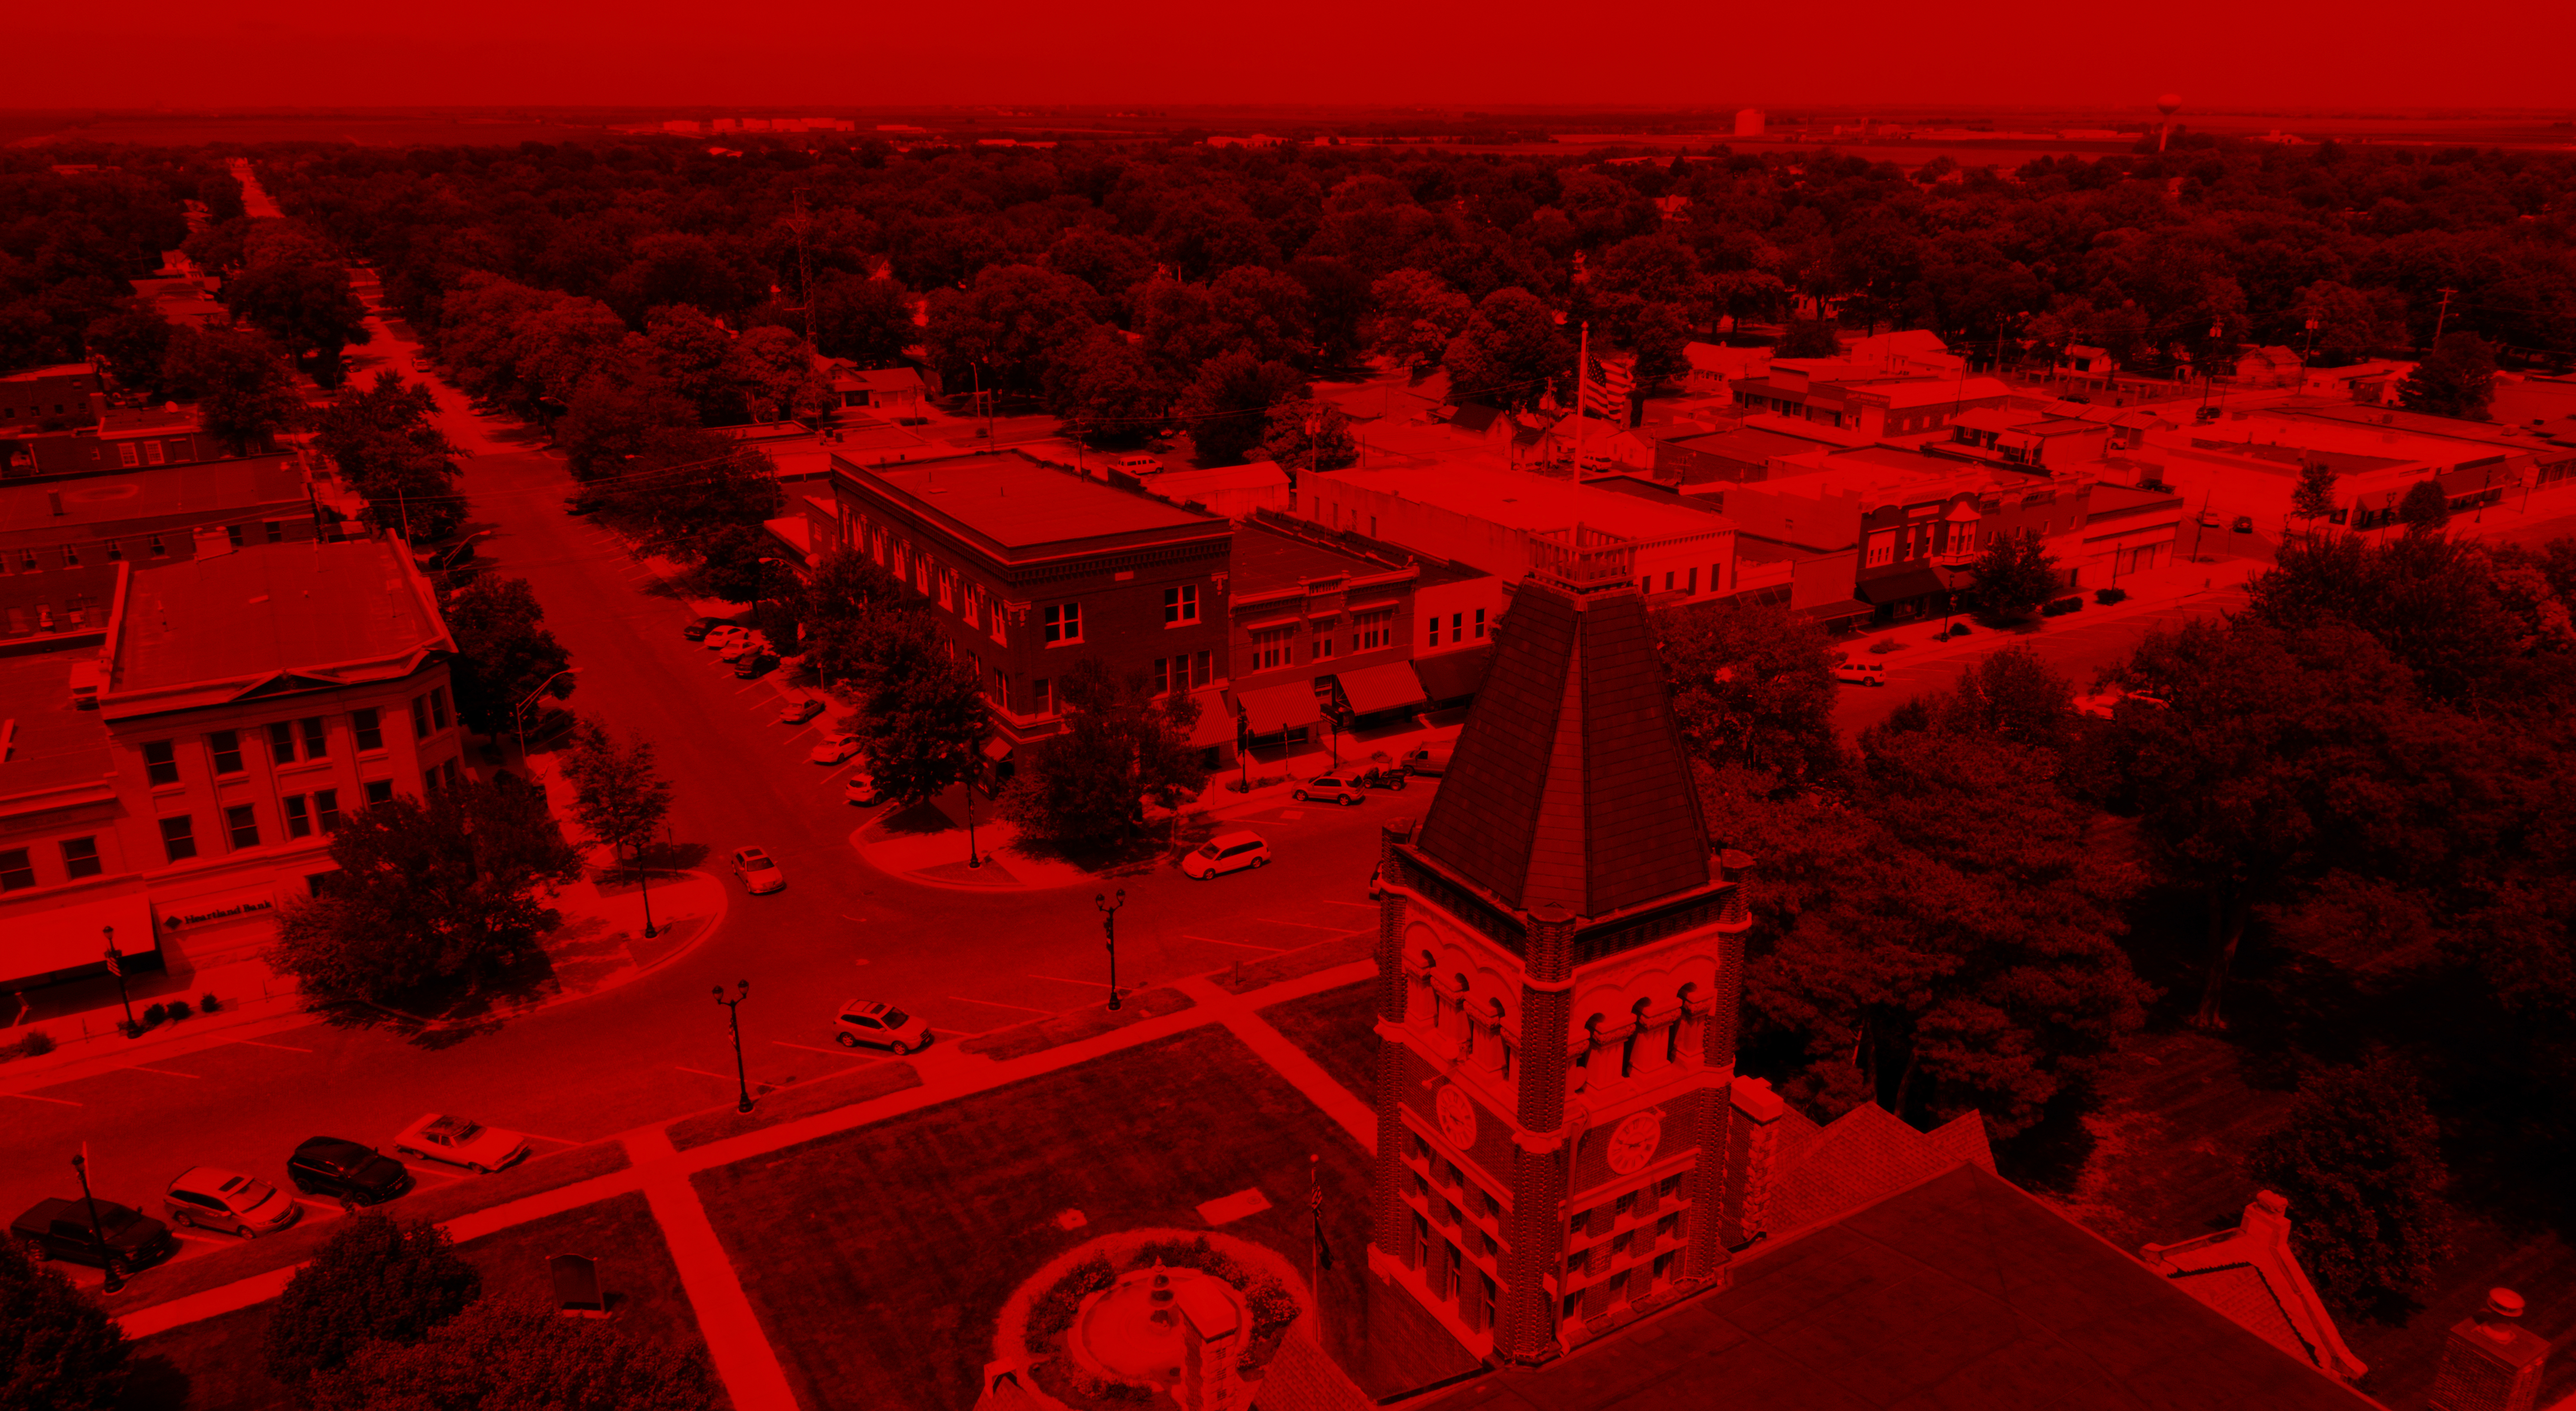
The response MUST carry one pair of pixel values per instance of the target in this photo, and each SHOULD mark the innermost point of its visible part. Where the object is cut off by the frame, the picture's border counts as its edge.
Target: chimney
(2489, 1363)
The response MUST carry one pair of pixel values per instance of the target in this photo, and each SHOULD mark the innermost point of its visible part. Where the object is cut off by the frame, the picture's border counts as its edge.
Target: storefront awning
(67, 938)
(1390, 686)
(1282, 707)
(1449, 676)
(997, 749)
(1904, 584)
(1216, 721)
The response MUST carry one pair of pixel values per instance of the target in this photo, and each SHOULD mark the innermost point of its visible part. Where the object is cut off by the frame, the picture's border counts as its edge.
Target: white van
(1138, 464)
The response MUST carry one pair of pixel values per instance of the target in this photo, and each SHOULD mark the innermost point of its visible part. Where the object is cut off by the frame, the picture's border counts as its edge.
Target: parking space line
(285, 1048)
(542, 1137)
(1059, 979)
(1247, 945)
(1309, 925)
(164, 1072)
(997, 1004)
(31, 1097)
(701, 1072)
(834, 1052)
(195, 1236)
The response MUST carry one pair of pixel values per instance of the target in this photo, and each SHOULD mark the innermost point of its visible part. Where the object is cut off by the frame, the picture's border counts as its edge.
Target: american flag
(1315, 1207)
(1605, 391)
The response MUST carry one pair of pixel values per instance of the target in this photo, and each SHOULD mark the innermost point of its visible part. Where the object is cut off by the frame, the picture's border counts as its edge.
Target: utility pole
(116, 967)
(106, 1254)
(2443, 316)
(1109, 928)
(733, 1011)
(801, 222)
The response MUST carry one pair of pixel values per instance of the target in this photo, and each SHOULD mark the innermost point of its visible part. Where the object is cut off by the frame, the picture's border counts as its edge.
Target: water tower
(2168, 105)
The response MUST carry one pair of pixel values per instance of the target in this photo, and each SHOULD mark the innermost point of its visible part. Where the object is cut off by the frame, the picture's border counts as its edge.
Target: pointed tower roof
(1569, 784)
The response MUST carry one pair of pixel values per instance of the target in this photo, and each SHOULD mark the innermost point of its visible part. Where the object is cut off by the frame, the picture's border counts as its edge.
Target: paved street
(967, 961)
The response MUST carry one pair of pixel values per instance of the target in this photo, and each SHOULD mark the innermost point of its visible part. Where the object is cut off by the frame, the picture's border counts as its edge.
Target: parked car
(2244, 524)
(748, 644)
(343, 1169)
(876, 1024)
(1430, 761)
(862, 789)
(797, 712)
(460, 1141)
(1861, 673)
(759, 873)
(1139, 464)
(1226, 852)
(1328, 786)
(719, 638)
(60, 1229)
(834, 748)
(751, 665)
(209, 1198)
(699, 627)
(1393, 779)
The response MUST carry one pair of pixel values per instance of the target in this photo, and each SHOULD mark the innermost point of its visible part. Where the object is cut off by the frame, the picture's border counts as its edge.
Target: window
(1180, 605)
(1691, 584)
(125, 454)
(159, 550)
(1199, 669)
(80, 857)
(316, 744)
(115, 552)
(1270, 648)
(1431, 630)
(1163, 675)
(369, 726)
(242, 825)
(1041, 701)
(276, 531)
(1480, 624)
(1623, 1205)
(316, 883)
(179, 838)
(16, 871)
(299, 818)
(1323, 648)
(233, 535)
(27, 561)
(1376, 629)
(379, 791)
(947, 588)
(226, 746)
(1882, 548)
(326, 809)
(438, 706)
(281, 740)
(155, 452)
(71, 556)
(1063, 624)
(420, 717)
(160, 762)
(1668, 1185)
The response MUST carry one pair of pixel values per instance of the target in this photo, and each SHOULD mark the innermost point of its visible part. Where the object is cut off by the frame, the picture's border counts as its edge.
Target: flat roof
(52, 745)
(207, 488)
(1268, 558)
(1017, 503)
(143, 419)
(1750, 444)
(30, 374)
(1520, 500)
(308, 607)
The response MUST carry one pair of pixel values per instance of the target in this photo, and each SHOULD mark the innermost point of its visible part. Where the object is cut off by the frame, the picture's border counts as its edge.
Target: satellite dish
(2169, 103)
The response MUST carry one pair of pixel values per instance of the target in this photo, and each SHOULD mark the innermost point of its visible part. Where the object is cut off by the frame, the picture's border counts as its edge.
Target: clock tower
(1562, 1139)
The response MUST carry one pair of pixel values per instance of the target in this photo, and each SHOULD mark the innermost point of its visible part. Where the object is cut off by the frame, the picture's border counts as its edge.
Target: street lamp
(518, 718)
(1109, 928)
(116, 967)
(106, 1256)
(447, 560)
(975, 767)
(733, 1012)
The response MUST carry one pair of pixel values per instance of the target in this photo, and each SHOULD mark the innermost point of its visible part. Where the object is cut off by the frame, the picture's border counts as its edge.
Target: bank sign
(207, 910)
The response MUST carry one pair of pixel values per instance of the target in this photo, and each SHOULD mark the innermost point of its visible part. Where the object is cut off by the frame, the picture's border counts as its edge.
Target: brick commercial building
(123, 439)
(52, 398)
(183, 779)
(1033, 569)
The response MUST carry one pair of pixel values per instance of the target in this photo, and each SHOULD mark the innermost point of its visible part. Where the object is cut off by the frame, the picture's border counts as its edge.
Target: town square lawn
(879, 1258)
(1338, 1029)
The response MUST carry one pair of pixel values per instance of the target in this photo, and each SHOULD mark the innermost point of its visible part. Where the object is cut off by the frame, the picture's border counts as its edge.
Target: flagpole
(1315, 1238)
(1582, 385)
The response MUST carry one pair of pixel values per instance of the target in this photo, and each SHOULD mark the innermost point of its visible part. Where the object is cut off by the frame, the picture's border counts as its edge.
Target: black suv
(60, 1229)
(335, 1166)
(698, 628)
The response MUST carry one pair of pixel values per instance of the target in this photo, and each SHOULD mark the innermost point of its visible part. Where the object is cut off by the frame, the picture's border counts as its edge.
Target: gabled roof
(2250, 1275)
(1865, 1155)
(1569, 784)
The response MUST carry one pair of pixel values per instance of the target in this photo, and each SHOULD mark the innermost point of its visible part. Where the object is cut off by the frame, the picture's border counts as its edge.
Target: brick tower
(1562, 1140)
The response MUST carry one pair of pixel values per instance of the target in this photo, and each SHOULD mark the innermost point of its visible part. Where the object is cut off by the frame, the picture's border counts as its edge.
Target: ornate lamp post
(116, 967)
(107, 1256)
(733, 1012)
(1109, 929)
(518, 713)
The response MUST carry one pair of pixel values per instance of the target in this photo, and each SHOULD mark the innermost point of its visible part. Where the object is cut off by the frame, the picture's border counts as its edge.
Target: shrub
(154, 1014)
(34, 1042)
(2108, 596)
(179, 1009)
(372, 1280)
(207, 1002)
(1051, 1312)
(1883, 646)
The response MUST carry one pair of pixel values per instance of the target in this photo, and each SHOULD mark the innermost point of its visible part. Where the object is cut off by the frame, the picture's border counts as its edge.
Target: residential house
(1873, 405)
(2270, 367)
(894, 392)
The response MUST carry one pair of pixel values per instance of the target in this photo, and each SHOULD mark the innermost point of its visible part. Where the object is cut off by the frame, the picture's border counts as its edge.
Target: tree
(1012, 322)
(2425, 508)
(2010, 695)
(65, 1353)
(1120, 750)
(2456, 379)
(1659, 338)
(244, 392)
(838, 603)
(1417, 316)
(1810, 338)
(1107, 391)
(1510, 355)
(391, 452)
(866, 321)
(2014, 574)
(1752, 686)
(1229, 403)
(1263, 311)
(682, 486)
(438, 892)
(131, 342)
(618, 796)
(505, 652)
(505, 1354)
(293, 286)
(2313, 498)
(922, 722)
(770, 375)
(623, 409)
(2360, 1162)
(1306, 434)
(375, 1280)
(2349, 322)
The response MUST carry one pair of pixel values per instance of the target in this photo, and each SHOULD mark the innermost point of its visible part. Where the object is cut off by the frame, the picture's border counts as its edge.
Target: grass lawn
(1090, 1021)
(1295, 964)
(863, 1082)
(1337, 1029)
(216, 1365)
(879, 1258)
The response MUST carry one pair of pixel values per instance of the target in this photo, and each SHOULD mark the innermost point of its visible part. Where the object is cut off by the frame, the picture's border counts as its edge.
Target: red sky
(2375, 55)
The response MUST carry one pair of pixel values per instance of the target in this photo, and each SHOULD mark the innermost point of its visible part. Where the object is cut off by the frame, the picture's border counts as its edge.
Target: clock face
(1632, 1142)
(1457, 1118)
